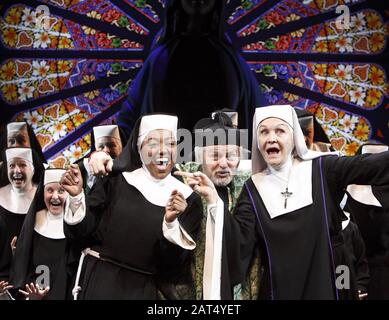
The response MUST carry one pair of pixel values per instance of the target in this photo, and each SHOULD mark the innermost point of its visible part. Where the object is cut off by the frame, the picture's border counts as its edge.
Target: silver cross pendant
(286, 194)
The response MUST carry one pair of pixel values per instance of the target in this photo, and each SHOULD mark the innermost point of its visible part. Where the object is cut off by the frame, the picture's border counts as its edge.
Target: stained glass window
(68, 68)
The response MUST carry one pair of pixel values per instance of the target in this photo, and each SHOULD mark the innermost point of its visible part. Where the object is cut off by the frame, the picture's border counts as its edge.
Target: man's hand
(71, 180)
(33, 292)
(100, 163)
(201, 184)
(175, 206)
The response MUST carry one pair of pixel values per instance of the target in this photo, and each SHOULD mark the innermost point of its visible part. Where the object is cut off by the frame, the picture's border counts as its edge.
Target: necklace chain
(286, 194)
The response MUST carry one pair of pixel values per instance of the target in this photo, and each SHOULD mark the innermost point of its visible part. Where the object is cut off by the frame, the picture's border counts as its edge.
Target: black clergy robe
(301, 248)
(59, 255)
(5, 251)
(126, 230)
(356, 251)
(233, 267)
(11, 224)
(13, 221)
(373, 223)
(52, 253)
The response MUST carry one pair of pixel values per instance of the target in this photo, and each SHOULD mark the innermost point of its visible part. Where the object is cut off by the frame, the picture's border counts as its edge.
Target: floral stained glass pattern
(25, 28)
(69, 69)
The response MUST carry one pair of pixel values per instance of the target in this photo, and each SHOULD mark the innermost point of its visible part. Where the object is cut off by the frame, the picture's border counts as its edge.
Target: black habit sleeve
(365, 169)
(96, 203)
(339, 172)
(357, 252)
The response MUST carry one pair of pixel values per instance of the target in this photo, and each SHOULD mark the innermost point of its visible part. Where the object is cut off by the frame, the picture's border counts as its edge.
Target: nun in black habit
(18, 186)
(348, 246)
(20, 135)
(130, 218)
(369, 209)
(290, 209)
(16, 135)
(357, 261)
(42, 242)
(194, 70)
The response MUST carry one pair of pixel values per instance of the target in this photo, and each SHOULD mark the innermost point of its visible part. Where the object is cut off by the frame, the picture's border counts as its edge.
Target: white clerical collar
(363, 194)
(15, 200)
(49, 225)
(345, 223)
(156, 191)
(271, 185)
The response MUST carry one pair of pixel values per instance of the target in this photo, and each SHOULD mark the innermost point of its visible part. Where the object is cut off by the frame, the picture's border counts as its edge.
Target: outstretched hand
(34, 292)
(100, 163)
(201, 184)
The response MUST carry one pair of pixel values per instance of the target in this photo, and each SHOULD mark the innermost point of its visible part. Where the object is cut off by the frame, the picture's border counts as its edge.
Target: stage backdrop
(73, 71)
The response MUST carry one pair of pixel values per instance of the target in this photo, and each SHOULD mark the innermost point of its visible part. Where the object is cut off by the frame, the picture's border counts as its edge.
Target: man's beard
(221, 182)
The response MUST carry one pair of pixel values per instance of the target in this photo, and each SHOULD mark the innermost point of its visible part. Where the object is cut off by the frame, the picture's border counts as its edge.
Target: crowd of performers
(290, 219)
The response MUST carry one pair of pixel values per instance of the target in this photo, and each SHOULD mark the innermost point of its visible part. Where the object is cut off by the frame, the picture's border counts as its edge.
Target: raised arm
(82, 214)
(365, 169)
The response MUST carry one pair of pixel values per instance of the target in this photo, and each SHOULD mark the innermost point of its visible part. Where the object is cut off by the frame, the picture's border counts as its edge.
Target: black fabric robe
(126, 230)
(59, 255)
(357, 254)
(373, 223)
(33, 249)
(11, 225)
(302, 248)
(52, 253)
(13, 221)
(5, 251)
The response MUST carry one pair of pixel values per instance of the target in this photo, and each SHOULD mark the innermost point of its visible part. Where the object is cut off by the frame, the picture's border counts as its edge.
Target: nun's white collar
(49, 225)
(15, 201)
(346, 222)
(270, 183)
(363, 194)
(154, 190)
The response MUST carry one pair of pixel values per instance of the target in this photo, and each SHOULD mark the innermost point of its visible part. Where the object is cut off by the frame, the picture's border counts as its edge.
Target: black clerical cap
(217, 130)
